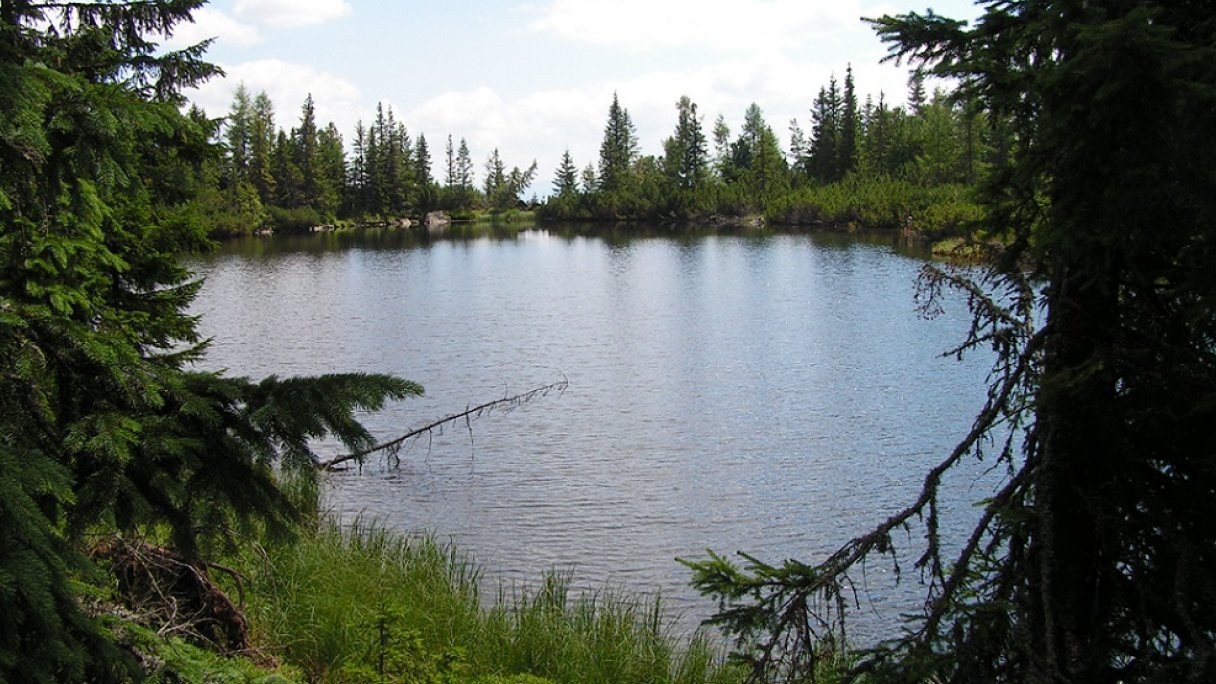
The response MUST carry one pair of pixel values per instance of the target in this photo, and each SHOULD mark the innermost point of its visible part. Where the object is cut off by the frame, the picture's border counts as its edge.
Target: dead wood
(468, 414)
(174, 595)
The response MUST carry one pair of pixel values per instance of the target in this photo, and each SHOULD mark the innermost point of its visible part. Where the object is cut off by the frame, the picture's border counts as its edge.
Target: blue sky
(535, 78)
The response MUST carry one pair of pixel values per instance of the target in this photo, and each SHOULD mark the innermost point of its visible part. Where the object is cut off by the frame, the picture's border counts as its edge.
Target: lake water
(775, 394)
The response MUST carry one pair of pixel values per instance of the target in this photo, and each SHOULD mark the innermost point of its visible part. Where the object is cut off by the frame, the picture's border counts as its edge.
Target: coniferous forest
(160, 522)
(860, 162)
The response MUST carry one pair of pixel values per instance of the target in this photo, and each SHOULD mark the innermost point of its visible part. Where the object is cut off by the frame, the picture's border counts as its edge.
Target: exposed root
(175, 596)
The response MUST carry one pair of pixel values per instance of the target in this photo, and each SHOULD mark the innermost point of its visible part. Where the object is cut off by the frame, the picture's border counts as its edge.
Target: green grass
(369, 605)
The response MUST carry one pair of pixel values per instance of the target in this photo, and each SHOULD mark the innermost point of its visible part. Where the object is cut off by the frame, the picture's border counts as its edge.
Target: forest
(861, 163)
(138, 493)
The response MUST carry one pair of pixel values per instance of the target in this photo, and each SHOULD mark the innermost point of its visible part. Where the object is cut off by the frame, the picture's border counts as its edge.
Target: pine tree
(916, 91)
(423, 175)
(449, 178)
(722, 160)
(590, 182)
(826, 134)
(104, 425)
(686, 161)
(261, 146)
(464, 167)
(496, 179)
(619, 149)
(1092, 560)
(799, 148)
(849, 127)
(305, 155)
(332, 172)
(565, 180)
(288, 180)
(360, 175)
(758, 159)
(238, 136)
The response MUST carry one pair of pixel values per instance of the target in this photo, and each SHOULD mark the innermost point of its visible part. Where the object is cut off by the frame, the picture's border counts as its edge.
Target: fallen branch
(468, 414)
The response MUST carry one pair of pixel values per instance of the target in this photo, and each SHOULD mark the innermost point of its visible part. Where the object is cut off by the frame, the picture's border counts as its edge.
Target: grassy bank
(369, 605)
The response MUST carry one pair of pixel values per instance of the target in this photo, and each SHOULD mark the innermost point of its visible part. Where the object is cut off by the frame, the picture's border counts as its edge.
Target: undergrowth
(365, 604)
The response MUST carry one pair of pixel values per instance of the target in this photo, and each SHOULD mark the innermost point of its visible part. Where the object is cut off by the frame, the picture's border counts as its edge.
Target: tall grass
(365, 604)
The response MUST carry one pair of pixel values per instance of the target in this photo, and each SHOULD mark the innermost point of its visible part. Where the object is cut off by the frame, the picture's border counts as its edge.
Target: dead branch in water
(468, 414)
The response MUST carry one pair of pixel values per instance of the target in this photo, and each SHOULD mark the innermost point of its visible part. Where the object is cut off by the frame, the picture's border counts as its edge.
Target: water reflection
(745, 390)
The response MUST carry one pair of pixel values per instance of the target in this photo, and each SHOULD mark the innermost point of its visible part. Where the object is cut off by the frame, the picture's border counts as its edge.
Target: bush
(296, 220)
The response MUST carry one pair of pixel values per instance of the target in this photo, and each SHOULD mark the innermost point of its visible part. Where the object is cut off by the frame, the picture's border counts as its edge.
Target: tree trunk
(1079, 448)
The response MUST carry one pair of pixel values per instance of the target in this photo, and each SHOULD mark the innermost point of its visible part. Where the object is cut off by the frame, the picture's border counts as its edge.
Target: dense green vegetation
(863, 165)
(1093, 561)
(105, 428)
(365, 605)
(129, 481)
(126, 476)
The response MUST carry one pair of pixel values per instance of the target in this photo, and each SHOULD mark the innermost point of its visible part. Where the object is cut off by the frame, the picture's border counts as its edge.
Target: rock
(437, 220)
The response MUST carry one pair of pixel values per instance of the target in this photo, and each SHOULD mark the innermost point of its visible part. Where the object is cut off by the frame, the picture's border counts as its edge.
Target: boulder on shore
(437, 220)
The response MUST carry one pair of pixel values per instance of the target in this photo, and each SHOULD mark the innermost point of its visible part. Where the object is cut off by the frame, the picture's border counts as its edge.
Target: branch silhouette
(467, 415)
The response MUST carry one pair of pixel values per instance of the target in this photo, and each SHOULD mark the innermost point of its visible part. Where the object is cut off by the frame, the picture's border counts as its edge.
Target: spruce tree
(565, 179)
(1092, 560)
(261, 146)
(105, 427)
(849, 126)
(826, 116)
(686, 160)
(618, 150)
(423, 175)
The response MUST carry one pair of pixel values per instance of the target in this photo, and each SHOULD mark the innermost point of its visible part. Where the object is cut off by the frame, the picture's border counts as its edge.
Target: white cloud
(291, 13)
(287, 84)
(542, 124)
(211, 23)
(722, 24)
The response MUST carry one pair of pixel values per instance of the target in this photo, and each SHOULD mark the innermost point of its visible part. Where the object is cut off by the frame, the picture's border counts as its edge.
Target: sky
(535, 78)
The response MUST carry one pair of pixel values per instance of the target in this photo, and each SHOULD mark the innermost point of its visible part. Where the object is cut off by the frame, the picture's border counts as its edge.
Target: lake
(771, 393)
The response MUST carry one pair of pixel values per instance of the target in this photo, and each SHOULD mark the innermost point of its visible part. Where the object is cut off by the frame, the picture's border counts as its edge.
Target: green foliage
(370, 605)
(297, 220)
(1092, 559)
(170, 660)
(103, 427)
(619, 149)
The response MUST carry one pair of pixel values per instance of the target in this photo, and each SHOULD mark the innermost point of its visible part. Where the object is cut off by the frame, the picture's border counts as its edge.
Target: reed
(367, 604)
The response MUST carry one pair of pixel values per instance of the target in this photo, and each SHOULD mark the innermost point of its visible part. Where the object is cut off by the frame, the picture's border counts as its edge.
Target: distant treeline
(861, 164)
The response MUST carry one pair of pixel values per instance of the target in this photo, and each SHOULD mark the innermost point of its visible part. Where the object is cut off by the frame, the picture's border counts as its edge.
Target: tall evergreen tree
(464, 167)
(104, 425)
(423, 175)
(332, 172)
(826, 133)
(686, 160)
(917, 97)
(450, 178)
(239, 136)
(288, 181)
(619, 149)
(360, 175)
(800, 149)
(850, 125)
(305, 154)
(565, 179)
(757, 158)
(261, 146)
(721, 135)
(1092, 560)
